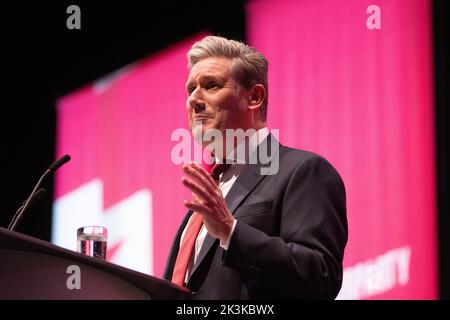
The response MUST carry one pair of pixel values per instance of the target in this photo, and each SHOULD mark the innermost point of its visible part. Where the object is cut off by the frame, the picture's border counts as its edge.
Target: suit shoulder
(299, 155)
(296, 158)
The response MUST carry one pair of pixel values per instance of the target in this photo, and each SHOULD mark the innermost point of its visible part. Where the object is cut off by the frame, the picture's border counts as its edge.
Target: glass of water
(92, 241)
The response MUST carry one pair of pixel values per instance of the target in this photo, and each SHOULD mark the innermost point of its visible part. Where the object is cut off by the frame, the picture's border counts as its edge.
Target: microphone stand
(52, 168)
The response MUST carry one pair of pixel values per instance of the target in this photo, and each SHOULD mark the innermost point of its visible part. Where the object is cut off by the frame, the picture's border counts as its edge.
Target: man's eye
(211, 85)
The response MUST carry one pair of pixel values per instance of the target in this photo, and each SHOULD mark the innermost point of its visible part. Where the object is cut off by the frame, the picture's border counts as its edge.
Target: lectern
(35, 269)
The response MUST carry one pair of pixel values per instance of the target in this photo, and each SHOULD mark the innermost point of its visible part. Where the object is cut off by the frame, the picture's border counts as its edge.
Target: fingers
(197, 207)
(193, 175)
(199, 175)
(198, 190)
(204, 189)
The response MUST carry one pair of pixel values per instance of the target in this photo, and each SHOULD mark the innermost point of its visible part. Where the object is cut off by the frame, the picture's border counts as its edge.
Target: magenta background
(363, 99)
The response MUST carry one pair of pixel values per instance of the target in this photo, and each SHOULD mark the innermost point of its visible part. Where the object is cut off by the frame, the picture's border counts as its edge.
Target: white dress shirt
(226, 181)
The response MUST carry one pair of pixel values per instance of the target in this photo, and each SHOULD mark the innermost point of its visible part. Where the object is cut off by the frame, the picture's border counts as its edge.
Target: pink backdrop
(363, 99)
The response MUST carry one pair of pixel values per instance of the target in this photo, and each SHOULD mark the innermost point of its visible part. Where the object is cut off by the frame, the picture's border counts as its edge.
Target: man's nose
(196, 103)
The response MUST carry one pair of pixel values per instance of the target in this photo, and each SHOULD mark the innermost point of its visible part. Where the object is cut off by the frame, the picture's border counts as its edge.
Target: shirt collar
(246, 147)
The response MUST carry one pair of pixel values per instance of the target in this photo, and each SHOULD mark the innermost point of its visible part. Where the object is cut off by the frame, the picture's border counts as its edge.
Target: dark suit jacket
(289, 238)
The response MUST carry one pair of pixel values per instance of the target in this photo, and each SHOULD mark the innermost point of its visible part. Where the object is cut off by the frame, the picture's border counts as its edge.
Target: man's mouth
(201, 117)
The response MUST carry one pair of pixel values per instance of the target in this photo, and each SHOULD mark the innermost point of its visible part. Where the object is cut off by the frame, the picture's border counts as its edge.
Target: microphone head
(58, 163)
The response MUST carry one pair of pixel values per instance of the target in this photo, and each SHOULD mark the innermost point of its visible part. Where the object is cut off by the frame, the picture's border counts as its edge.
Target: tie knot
(218, 169)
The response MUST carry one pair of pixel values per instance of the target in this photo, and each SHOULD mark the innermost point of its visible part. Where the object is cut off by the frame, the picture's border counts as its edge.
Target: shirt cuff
(226, 244)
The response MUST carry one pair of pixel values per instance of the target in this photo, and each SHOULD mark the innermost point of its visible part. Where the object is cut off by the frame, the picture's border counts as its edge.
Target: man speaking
(252, 233)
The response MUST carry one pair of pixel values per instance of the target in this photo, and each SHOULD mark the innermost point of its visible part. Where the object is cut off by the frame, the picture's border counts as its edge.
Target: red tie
(192, 230)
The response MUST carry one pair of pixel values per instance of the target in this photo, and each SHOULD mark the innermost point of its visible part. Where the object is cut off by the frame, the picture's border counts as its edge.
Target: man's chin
(209, 138)
(197, 133)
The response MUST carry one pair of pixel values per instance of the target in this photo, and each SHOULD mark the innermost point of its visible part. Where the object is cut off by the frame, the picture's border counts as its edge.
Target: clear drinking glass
(92, 241)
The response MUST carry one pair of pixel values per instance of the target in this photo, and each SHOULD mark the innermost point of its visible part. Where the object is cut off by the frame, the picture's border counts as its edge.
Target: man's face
(215, 99)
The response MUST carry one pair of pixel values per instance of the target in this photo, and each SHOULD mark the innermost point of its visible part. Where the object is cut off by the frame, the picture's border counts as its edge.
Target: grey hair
(249, 67)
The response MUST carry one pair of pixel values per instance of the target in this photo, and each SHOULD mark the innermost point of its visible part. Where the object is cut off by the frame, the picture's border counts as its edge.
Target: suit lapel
(247, 180)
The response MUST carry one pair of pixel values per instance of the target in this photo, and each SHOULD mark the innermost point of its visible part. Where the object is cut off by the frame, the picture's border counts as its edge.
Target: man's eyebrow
(211, 76)
(205, 77)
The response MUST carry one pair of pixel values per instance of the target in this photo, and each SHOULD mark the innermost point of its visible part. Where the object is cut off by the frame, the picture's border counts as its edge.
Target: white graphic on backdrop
(376, 276)
(129, 223)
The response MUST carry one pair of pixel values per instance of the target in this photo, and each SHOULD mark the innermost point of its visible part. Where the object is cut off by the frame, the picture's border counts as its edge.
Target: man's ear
(256, 96)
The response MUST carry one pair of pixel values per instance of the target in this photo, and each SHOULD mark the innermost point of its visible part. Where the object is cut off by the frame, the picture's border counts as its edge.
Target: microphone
(58, 163)
(37, 196)
(52, 168)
